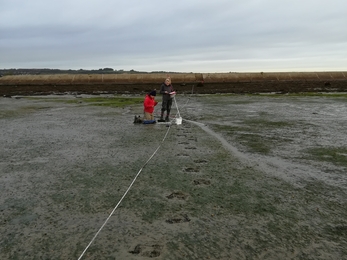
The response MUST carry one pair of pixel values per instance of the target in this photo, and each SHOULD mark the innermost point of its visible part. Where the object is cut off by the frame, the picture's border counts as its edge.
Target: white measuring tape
(131, 184)
(178, 122)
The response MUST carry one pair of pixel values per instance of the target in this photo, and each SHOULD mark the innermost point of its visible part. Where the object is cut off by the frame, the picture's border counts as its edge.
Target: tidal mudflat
(243, 177)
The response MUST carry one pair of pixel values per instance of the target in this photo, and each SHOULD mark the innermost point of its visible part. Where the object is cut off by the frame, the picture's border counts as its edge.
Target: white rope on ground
(178, 112)
(131, 184)
(97, 233)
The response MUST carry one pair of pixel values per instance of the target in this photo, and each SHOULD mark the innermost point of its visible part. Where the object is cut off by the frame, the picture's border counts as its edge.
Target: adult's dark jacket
(168, 88)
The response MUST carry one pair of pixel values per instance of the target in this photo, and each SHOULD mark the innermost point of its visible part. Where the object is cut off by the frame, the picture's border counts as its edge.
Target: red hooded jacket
(149, 104)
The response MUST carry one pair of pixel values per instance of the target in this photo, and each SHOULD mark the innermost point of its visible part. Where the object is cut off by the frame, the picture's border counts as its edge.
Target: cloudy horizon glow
(181, 36)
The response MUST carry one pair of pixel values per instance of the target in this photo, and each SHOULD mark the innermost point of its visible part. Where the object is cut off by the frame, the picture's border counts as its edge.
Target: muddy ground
(244, 177)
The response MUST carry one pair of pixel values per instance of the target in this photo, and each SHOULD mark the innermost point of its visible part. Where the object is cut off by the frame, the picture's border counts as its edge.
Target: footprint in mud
(183, 154)
(183, 142)
(147, 251)
(200, 161)
(193, 139)
(179, 219)
(190, 148)
(191, 169)
(186, 130)
(178, 195)
(137, 250)
(182, 135)
(201, 182)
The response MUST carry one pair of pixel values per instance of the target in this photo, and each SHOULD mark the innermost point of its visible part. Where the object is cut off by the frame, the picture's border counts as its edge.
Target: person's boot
(167, 118)
(161, 117)
(137, 120)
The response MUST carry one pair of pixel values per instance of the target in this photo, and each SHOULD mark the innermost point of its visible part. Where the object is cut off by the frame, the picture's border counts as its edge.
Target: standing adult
(165, 89)
(149, 103)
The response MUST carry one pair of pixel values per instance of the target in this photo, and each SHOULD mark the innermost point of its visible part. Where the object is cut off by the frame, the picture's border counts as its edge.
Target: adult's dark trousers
(166, 106)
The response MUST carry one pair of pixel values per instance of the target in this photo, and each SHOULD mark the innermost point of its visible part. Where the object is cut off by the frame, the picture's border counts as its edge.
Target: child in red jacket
(149, 104)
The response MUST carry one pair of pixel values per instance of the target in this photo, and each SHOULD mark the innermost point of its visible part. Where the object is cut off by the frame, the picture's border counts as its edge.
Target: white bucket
(178, 120)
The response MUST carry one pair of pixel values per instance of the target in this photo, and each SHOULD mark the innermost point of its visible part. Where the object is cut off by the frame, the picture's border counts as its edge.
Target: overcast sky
(180, 35)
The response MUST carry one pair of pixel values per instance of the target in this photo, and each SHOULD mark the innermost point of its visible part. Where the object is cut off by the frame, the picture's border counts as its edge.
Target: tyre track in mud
(292, 172)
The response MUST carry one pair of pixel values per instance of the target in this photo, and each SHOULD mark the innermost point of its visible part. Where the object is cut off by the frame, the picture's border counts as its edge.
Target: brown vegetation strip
(284, 82)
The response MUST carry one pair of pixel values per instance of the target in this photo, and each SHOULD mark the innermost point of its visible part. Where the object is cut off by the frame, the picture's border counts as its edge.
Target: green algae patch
(335, 155)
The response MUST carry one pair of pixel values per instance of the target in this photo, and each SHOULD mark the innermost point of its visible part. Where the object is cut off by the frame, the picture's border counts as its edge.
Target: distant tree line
(4, 72)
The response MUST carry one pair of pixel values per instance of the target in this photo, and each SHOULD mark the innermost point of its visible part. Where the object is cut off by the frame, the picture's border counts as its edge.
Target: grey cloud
(174, 35)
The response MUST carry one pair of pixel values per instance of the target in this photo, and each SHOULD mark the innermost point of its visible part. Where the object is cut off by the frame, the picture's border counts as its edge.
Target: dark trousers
(166, 106)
